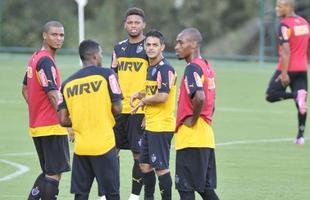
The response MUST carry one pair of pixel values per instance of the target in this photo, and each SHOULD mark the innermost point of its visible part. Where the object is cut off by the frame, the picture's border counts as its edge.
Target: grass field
(256, 157)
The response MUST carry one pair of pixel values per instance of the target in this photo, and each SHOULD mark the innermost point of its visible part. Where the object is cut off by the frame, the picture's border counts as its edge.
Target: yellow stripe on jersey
(199, 136)
(160, 117)
(92, 122)
(132, 76)
(47, 130)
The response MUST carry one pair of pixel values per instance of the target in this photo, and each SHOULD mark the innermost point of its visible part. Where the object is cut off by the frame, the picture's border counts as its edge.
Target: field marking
(222, 109)
(21, 169)
(229, 143)
(256, 141)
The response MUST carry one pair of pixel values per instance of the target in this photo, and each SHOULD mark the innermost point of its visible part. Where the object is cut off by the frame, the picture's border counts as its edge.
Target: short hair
(290, 2)
(157, 34)
(135, 11)
(50, 24)
(87, 48)
(194, 34)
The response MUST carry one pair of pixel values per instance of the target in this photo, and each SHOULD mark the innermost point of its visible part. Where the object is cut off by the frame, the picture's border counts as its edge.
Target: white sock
(133, 197)
(102, 198)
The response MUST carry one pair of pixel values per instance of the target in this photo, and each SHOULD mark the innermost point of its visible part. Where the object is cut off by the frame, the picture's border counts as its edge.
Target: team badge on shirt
(153, 158)
(139, 49)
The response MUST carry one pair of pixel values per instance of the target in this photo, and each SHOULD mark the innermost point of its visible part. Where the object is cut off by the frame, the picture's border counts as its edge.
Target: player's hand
(133, 98)
(136, 107)
(70, 134)
(143, 123)
(284, 78)
(188, 121)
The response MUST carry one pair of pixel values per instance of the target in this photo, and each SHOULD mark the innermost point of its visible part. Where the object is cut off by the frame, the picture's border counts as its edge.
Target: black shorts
(104, 168)
(155, 149)
(53, 153)
(195, 169)
(128, 131)
(298, 80)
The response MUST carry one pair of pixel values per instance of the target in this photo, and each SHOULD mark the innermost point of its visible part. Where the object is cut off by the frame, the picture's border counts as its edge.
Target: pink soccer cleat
(300, 141)
(301, 100)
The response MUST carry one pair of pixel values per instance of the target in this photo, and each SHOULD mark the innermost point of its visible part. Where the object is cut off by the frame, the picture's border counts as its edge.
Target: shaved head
(193, 34)
(288, 2)
(50, 24)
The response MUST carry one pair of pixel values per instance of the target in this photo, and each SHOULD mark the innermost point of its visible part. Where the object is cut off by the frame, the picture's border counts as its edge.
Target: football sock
(133, 197)
(37, 188)
(50, 191)
(209, 195)
(136, 178)
(81, 197)
(112, 196)
(149, 181)
(301, 124)
(186, 195)
(165, 184)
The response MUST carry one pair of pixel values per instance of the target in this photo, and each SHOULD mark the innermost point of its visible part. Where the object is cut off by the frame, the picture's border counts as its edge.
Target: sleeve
(47, 74)
(114, 88)
(192, 78)
(25, 79)
(165, 78)
(61, 100)
(114, 61)
(284, 33)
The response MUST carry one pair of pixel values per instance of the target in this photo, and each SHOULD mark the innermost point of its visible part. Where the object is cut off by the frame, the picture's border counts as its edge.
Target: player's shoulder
(165, 65)
(121, 43)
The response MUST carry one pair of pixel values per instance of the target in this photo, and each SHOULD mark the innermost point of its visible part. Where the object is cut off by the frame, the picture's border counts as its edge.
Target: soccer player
(130, 62)
(293, 36)
(195, 157)
(92, 97)
(41, 89)
(159, 102)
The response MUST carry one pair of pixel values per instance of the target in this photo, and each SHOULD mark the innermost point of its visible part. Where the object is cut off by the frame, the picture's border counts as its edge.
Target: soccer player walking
(41, 91)
(293, 36)
(159, 102)
(92, 97)
(130, 62)
(195, 157)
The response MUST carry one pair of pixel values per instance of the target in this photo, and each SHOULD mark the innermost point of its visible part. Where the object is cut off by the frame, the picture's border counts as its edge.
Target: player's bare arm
(64, 118)
(24, 92)
(285, 55)
(197, 101)
(137, 95)
(53, 97)
(117, 108)
(159, 97)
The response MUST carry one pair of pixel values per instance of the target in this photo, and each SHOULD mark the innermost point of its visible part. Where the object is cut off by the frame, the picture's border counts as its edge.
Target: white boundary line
(256, 141)
(229, 143)
(21, 169)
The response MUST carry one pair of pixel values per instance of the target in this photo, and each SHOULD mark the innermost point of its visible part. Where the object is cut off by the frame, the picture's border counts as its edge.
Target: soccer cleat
(301, 100)
(300, 141)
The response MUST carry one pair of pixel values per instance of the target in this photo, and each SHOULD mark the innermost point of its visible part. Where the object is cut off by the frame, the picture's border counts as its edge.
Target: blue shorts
(195, 169)
(104, 168)
(128, 131)
(155, 149)
(53, 153)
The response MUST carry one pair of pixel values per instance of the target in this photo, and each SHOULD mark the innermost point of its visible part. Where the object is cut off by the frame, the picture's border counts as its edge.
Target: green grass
(257, 169)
